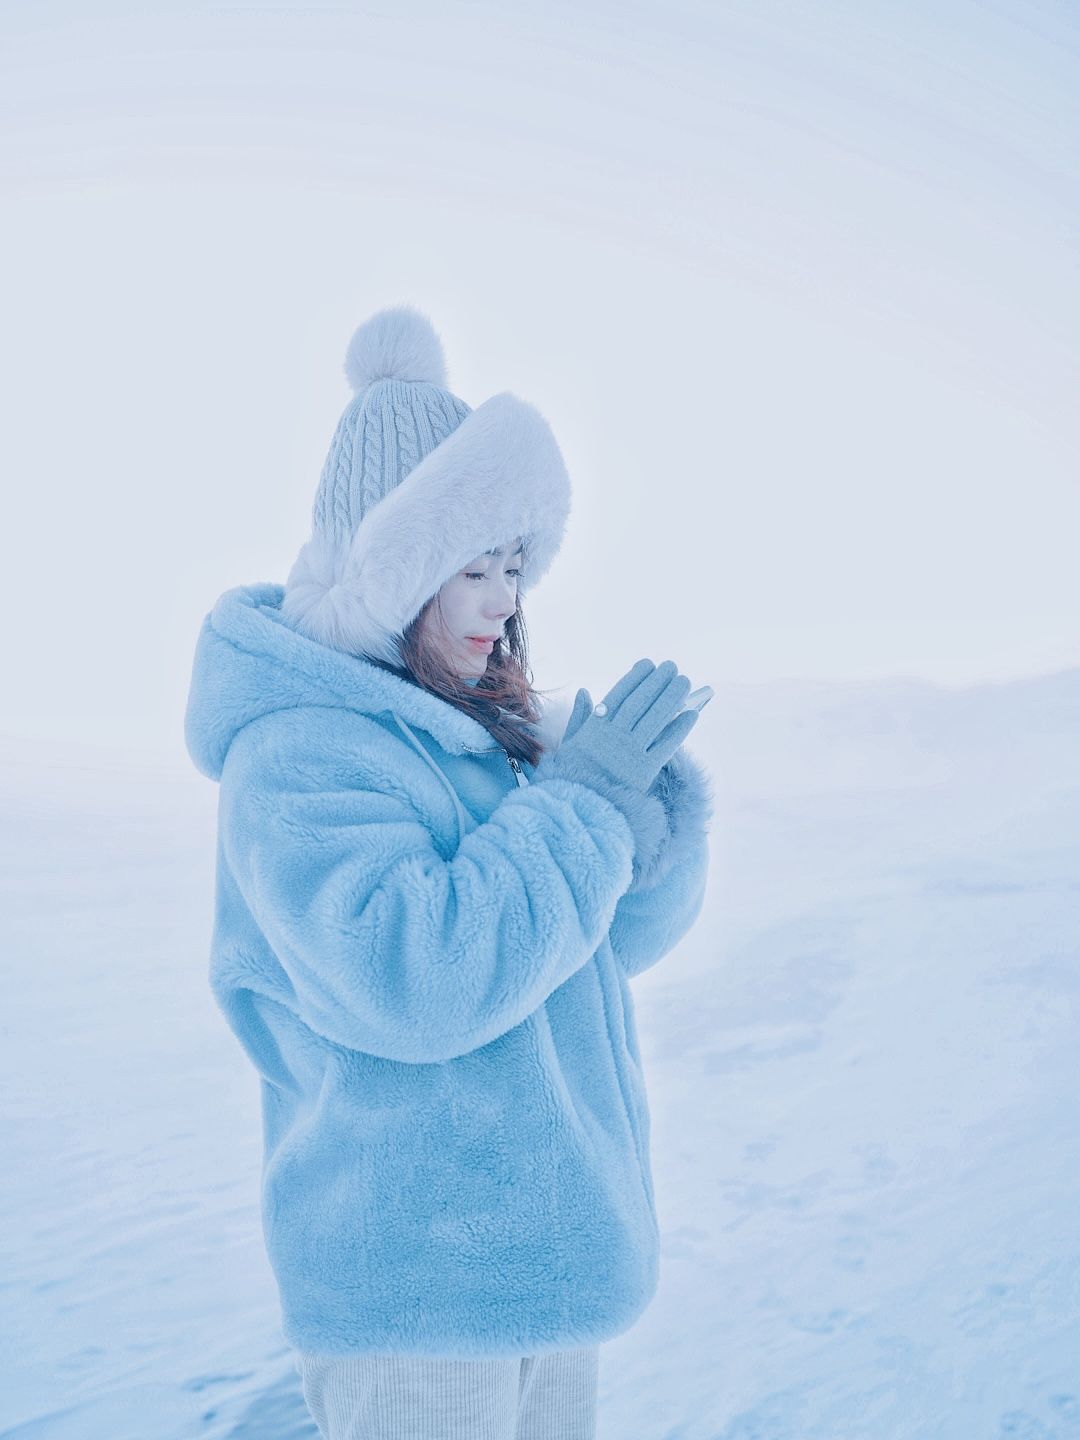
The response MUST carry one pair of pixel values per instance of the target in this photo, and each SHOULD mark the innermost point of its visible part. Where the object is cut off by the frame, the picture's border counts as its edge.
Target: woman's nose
(504, 610)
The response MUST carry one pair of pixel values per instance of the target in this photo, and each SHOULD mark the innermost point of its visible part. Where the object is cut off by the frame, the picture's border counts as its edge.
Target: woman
(429, 904)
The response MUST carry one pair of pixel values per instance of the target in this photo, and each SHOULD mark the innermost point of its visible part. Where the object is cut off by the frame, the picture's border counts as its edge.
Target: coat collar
(250, 661)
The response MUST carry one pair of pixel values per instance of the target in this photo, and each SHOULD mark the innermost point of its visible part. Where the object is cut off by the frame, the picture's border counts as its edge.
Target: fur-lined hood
(250, 661)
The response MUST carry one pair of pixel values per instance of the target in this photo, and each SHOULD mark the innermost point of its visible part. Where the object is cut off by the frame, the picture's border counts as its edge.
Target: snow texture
(861, 1067)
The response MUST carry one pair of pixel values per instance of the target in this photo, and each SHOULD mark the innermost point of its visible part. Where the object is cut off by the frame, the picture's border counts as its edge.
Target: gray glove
(619, 747)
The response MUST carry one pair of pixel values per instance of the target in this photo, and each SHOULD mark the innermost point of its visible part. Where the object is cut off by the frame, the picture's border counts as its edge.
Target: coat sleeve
(392, 946)
(663, 902)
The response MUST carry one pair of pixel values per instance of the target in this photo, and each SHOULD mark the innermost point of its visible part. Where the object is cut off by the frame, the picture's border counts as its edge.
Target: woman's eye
(482, 574)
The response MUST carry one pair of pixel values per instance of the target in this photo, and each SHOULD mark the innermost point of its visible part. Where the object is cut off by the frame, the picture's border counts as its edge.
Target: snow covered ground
(862, 1067)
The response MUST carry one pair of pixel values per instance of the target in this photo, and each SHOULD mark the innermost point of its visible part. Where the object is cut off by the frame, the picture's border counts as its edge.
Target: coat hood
(250, 661)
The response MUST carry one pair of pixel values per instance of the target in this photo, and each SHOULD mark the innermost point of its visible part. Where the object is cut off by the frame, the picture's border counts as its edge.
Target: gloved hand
(620, 747)
(635, 729)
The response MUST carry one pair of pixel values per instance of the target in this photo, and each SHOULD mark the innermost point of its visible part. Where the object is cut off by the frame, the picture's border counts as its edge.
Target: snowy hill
(861, 1063)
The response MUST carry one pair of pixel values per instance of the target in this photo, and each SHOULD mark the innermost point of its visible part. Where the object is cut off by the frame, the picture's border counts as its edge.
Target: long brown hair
(503, 700)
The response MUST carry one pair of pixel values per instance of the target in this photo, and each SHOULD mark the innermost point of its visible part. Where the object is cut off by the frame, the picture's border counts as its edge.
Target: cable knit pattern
(427, 435)
(453, 410)
(330, 511)
(405, 432)
(342, 483)
(372, 450)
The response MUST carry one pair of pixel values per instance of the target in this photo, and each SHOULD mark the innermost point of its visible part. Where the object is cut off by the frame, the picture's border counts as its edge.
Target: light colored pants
(412, 1397)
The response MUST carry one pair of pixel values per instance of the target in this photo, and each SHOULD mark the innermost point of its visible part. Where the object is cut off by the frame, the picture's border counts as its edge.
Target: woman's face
(477, 601)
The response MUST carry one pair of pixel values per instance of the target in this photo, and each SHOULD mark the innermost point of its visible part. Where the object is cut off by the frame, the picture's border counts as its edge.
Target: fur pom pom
(398, 343)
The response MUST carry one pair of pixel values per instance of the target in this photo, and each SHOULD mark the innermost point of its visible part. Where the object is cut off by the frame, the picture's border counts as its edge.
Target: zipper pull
(519, 774)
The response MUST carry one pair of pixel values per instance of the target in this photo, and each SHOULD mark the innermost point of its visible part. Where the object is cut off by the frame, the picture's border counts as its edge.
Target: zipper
(515, 765)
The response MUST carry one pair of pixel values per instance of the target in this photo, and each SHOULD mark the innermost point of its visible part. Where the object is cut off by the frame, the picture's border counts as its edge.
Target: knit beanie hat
(415, 485)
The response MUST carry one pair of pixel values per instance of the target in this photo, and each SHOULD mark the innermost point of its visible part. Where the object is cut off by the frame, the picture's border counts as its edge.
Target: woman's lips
(486, 645)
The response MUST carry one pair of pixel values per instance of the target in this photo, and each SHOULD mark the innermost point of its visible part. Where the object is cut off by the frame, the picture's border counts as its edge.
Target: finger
(645, 694)
(666, 704)
(582, 707)
(629, 682)
(673, 735)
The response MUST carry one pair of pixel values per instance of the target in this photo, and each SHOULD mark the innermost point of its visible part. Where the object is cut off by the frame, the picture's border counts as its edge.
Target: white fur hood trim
(500, 474)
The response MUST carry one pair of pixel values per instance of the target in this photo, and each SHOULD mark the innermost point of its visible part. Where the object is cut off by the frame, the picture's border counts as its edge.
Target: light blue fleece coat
(426, 957)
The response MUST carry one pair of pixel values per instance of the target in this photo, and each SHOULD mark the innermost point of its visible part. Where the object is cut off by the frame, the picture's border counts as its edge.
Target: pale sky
(797, 287)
